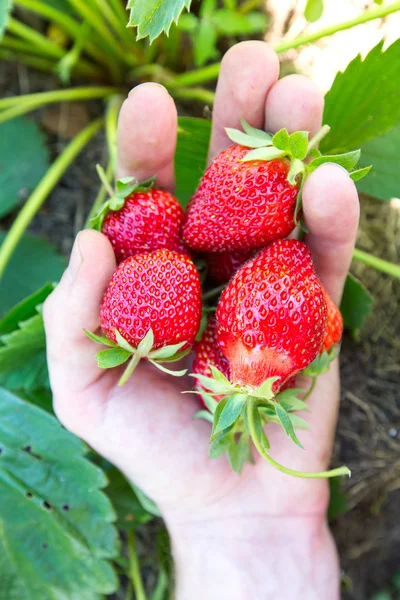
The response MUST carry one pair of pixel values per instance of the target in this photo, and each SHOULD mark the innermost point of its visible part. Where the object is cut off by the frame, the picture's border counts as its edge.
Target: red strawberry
(158, 290)
(208, 353)
(151, 309)
(148, 221)
(240, 205)
(223, 265)
(334, 328)
(271, 318)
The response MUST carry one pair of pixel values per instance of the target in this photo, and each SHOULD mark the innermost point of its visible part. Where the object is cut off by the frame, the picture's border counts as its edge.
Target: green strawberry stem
(214, 292)
(325, 129)
(133, 363)
(104, 180)
(134, 568)
(377, 263)
(310, 391)
(251, 409)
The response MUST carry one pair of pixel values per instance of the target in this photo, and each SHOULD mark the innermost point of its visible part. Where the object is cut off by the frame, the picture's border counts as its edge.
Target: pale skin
(262, 535)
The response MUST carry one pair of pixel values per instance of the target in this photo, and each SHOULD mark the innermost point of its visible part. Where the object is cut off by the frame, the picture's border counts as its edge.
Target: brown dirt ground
(368, 437)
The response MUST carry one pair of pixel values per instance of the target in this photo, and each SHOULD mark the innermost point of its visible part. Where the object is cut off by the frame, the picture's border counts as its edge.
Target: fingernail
(75, 260)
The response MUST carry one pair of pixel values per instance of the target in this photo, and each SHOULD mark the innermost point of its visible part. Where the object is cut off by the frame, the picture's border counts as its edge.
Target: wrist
(256, 558)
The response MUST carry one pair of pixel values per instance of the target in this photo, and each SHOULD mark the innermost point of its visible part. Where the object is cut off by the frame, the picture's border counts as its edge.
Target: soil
(368, 436)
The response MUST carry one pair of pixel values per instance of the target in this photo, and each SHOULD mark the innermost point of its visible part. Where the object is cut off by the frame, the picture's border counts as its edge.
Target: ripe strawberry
(223, 265)
(249, 198)
(271, 318)
(158, 290)
(138, 218)
(334, 328)
(151, 309)
(208, 353)
(239, 206)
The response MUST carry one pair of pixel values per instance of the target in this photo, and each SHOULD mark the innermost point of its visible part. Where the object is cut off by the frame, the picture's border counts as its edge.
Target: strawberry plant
(243, 367)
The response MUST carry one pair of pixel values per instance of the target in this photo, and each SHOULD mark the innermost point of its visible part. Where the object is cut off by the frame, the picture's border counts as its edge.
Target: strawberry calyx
(241, 415)
(124, 187)
(122, 352)
(302, 153)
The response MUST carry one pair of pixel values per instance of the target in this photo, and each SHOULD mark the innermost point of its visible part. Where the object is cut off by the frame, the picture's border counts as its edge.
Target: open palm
(146, 427)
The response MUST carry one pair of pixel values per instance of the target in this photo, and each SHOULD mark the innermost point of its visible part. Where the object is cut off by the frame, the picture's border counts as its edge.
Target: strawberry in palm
(151, 309)
(251, 193)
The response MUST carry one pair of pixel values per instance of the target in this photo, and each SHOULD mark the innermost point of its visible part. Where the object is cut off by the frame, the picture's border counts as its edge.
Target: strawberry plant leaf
(22, 169)
(33, 263)
(190, 156)
(145, 344)
(265, 389)
(154, 16)
(205, 42)
(46, 478)
(321, 363)
(259, 428)
(130, 512)
(360, 173)
(245, 139)
(166, 352)
(180, 373)
(268, 153)
(100, 339)
(239, 453)
(209, 401)
(383, 153)
(298, 422)
(298, 144)
(209, 383)
(356, 303)
(204, 414)
(314, 10)
(230, 412)
(5, 9)
(107, 359)
(219, 446)
(147, 503)
(287, 424)
(358, 111)
(24, 309)
(23, 356)
(256, 133)
(338, 504)
(188, 22)
(232, 23)
(218, 376)
(218, 410)
(347, 160)
(122, 343)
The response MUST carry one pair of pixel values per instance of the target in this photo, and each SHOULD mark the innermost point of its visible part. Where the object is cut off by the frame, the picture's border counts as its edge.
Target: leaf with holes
(363, 102)
(22, 169)
(33, 263)
(154, 16)
(191, 155)
(56, 531)
(5, 9)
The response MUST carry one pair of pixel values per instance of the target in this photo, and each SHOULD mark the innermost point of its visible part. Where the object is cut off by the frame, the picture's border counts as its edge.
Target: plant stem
(194, 93)
(214, 292)
(310, 391)
(132, 364)
(101, 196)
(19, 105)
(376, 12)
(250, 5)
(41, 192)
(251, 408)
(42, 64)
(113, 108)
(66, 23)
(103, 178)
(318, 137)
(211, 72)
(377, 263)
(134, 569)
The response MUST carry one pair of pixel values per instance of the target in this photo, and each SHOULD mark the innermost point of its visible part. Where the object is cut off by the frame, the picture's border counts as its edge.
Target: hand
(263, 534)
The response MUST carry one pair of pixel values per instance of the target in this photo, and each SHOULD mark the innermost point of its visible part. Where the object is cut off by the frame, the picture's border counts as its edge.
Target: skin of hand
(262, 535)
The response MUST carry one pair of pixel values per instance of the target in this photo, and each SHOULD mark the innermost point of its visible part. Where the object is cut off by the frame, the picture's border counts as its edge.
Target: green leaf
(218, 410)
(298, 144)
(240, 453)
(265, 389)
(147, 503)
(211, 384)
(209, 401)
(130, 512)
(24, 309)
(207, 8)
(146, 344)
(166, 352)
(100, 339)
(322, 362)
(244, 139)
(297, 167)
(22, 169)
(154, 16)
(33, 263)
(122, 343)
(230, 412)
(180, 373)
(298, 422)
(338, 504)
(360, 173)
(287, 424)
(5, 9)
(256, 133)
(190, 156)
(51, 544)
(205, 415)
(107, 359)
(188, 23)
(23, 356)
(263, 154)
(363, 102)
(314, 10)
(205, 42)
(281, 139)
(383, 153)
(219, 446)
(231, 23)
(347, 160)
(259, 428)
(356, 303)
(291, 403)
(218, 376)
